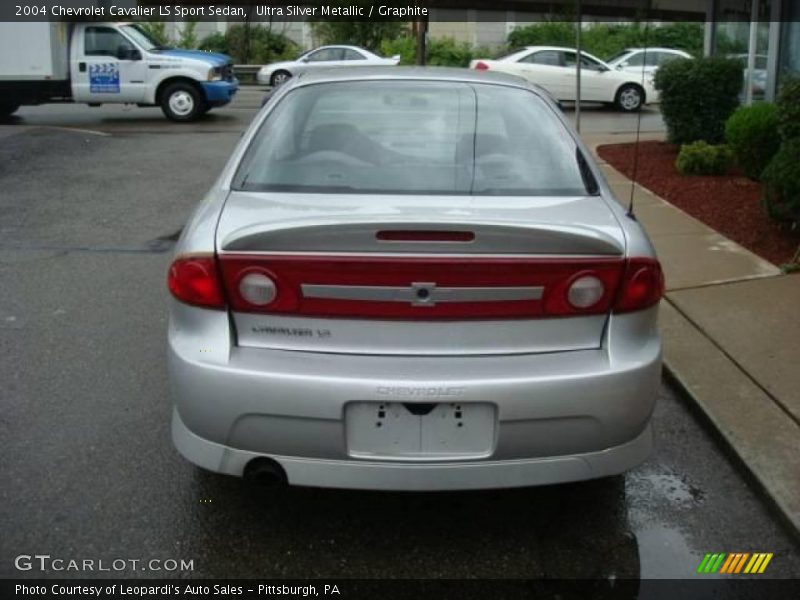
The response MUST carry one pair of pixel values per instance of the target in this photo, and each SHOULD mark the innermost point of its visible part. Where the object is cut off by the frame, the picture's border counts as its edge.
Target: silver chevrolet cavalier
(413, 279)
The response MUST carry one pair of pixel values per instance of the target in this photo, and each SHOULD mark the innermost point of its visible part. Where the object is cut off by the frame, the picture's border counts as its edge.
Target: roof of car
(656, 49)
(339, 46)
(557, 49)
(564, 48)
(408, 73)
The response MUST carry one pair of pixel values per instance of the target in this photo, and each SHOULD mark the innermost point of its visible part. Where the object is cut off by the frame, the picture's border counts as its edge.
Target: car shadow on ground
(572, 530)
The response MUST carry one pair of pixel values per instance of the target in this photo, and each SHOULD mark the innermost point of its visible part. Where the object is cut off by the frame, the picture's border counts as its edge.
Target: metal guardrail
(246, 74)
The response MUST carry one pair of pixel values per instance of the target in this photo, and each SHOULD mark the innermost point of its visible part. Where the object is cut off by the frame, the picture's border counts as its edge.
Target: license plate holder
(449, 430)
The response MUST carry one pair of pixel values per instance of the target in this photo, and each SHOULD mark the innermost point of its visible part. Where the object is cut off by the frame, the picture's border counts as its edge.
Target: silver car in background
(324, 57)
(413, 279)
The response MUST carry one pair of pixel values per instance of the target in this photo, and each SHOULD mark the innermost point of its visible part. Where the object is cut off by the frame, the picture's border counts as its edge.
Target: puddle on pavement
(664, 486)
(665, 549)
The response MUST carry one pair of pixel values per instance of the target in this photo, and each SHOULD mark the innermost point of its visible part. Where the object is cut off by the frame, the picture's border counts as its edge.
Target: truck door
(106, 66)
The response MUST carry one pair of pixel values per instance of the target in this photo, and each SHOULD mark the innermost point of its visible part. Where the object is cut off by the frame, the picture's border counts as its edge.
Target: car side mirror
(128, 53)
(305, 59)
(622, 65)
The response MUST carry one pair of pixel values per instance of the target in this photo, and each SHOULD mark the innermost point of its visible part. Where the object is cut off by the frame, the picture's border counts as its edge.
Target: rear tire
(182, 102)
(6, 110)
(629, 98)
(279, 77)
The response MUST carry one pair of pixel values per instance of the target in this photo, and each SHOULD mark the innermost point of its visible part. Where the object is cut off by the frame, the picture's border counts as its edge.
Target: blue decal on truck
(104, 78)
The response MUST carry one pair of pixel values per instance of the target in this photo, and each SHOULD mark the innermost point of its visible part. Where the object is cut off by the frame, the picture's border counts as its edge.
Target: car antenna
(638, 127)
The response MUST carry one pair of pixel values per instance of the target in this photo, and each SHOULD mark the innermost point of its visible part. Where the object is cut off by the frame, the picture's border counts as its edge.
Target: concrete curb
(748, 423)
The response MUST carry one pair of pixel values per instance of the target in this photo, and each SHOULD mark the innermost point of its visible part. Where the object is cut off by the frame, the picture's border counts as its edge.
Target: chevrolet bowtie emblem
(423, 294)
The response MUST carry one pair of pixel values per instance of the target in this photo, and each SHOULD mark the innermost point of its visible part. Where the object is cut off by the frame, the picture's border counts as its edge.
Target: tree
(367, 34)
(157, 30)
(188, 37)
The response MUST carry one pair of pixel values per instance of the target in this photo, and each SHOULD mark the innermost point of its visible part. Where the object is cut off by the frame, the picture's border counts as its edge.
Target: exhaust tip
(265, 473)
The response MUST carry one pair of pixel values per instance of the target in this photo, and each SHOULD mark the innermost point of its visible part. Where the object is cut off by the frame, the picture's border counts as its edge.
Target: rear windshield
(412, 137)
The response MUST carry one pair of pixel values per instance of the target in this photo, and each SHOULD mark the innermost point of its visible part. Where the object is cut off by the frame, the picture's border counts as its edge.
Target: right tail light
(642, 285)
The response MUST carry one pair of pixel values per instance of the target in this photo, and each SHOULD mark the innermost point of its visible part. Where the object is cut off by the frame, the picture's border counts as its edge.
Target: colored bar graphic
(740, 564)
(730, 564)
(718, 562)
(701, 567)
(764, 564)
(734, 563)
(727, 564)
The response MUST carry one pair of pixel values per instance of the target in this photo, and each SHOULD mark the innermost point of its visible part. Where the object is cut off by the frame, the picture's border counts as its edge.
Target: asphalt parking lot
(90, 201)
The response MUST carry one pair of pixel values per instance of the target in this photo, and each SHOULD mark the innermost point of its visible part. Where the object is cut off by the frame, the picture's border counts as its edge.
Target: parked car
(413, 279)
(553, 68)
(326, 56)
(645, 62)
(759, 72)
(637, 60)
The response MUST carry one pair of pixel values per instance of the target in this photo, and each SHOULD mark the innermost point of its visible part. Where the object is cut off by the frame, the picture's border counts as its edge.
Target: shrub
(700, 158)
(788, 103)
(547, 33)
(405, 46)
(215, 42)
(446, 52)
(368, 34)
(698, 96)
(782, 183)
(156, 30)
(263, 45)
(752, 135)
(188, 35)
(442, 52)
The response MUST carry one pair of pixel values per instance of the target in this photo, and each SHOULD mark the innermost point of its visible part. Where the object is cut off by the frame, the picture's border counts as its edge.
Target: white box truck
(100, 63)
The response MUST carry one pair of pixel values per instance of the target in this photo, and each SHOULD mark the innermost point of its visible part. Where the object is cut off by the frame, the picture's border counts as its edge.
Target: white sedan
(324, 57)
(553, 68)
(636, 60)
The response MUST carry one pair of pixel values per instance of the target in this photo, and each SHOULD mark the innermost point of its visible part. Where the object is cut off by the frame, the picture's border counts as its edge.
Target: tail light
(585, 292)
(420, 288)
(642, 285)
(481, 66)
(391, 288)
(257, 288)
(194, 280)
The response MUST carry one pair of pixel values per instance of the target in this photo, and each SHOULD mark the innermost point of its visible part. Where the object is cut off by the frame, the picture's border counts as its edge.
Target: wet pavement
(88, 470)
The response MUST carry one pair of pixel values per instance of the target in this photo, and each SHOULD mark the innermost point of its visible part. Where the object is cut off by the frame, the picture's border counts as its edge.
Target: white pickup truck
(100, 63)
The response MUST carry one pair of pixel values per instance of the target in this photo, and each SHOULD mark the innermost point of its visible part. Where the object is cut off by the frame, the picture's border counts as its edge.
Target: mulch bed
(731, 204)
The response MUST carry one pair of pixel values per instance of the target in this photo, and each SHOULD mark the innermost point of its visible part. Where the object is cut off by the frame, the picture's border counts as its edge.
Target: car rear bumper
(559, 416)
(406, 476)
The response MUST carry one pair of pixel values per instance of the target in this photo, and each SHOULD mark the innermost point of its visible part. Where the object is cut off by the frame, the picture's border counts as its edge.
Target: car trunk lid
(391, 275)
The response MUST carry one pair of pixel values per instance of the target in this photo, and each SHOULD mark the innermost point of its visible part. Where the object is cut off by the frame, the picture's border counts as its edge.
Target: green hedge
(700, 158)
(264, 46)
(782, 183)
(752, 135)
(782, 176)
(698, 96)
(442, 52)
(788, 103)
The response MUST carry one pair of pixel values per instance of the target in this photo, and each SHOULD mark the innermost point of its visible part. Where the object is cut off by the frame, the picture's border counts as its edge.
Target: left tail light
(481, 66)
(195, 280)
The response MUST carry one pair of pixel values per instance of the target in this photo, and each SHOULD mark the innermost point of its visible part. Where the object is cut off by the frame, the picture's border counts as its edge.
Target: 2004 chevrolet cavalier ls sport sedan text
(413, 279)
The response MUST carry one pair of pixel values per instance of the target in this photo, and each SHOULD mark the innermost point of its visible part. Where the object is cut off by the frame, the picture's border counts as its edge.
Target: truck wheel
(182, 102)
(6, 110)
